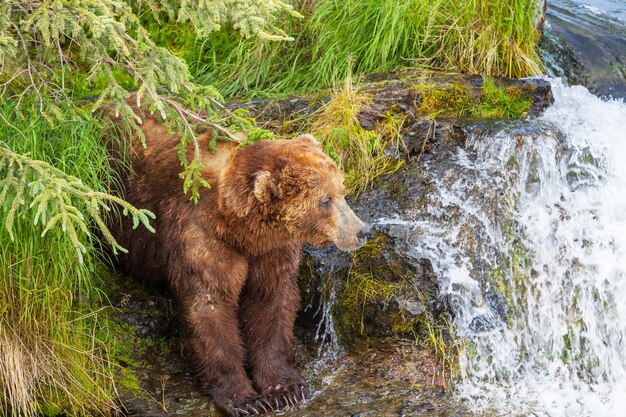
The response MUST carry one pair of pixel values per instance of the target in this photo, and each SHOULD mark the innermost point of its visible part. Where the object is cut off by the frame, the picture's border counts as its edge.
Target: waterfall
(527, 232)
(560, 349)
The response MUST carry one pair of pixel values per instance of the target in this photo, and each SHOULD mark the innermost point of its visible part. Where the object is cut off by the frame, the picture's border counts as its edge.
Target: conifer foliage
(60, 62)
(59, 49)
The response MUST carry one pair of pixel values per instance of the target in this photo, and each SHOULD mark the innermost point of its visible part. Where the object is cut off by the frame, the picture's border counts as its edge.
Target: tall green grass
(475, 36)
(51, 360)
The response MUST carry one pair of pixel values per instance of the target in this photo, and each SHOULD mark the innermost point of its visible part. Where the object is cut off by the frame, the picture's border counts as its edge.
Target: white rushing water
(562, 349)
(528, 234)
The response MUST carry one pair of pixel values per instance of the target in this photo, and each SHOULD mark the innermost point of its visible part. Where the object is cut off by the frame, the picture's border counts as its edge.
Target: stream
(585, 42)
(526, 232)
(539, 302)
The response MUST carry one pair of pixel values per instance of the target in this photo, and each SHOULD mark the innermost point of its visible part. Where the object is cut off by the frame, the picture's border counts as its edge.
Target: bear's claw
(281, 398)
(261, 406)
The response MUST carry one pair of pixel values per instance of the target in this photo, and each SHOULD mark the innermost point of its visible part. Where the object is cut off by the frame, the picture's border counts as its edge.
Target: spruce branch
(58, 199)
(49, 47)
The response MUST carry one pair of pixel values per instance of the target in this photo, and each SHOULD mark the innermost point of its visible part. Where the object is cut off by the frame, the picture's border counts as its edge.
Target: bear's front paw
(284, 397)
(251, 407)
(258, 407)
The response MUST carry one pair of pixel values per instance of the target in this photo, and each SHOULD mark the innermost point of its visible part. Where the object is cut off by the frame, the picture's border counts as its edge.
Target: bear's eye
(325, 202)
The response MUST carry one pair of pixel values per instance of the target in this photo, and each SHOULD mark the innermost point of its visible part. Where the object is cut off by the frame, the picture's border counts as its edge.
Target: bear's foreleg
(269, 304)
(207, 287)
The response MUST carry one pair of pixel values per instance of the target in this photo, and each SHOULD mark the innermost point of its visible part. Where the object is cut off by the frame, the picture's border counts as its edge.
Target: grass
(361, 153)
(438, 335)
(51, 360)
(476, 36)
(362, 288)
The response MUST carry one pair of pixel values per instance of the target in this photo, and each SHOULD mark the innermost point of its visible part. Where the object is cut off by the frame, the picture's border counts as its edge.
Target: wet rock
(396, 91)
(381, 289)
(417, 410)
(403, 94)
(586, 49)
(393, 378)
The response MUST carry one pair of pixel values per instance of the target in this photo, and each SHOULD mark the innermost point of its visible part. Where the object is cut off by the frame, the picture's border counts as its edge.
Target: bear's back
(153, 182)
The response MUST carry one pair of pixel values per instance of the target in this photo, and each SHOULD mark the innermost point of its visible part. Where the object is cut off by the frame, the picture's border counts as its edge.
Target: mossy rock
(378, 293)
(450, 96)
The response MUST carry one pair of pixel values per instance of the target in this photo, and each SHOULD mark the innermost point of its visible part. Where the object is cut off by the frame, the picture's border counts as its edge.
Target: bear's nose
(363, 233)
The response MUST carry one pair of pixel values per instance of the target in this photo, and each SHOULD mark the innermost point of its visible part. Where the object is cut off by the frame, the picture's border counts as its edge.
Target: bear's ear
(263, 185)
(310, 140)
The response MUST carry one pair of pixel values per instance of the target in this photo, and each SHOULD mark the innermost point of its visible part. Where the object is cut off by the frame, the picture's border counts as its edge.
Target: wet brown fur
(231, 260)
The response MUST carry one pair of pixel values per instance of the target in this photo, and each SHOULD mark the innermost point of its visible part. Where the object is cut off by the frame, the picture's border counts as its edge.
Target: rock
(399, 91)
(404, 93)
(586, 49)
(381, 290)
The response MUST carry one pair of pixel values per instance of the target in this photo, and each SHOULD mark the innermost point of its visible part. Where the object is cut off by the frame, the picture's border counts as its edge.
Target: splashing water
(560, 349)
(325, 334)
(528, 234)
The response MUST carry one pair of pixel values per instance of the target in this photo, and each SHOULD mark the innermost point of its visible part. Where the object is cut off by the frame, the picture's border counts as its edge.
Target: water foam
(558, 345)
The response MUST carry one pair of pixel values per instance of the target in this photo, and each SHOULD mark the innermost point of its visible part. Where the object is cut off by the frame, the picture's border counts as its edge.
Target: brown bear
(231, 260)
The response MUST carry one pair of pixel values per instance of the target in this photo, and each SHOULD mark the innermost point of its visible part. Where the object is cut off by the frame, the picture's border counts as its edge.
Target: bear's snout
(351, 231)
(363, 234)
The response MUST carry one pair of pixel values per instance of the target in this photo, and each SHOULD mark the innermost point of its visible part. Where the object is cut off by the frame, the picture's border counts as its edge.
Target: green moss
(373, 280)
(502, 103)
(373, 247)
(567, 348)
(513, 270)
(402, 325)
(369, 283)
(49, 410)
(453, 100)
(447, 100)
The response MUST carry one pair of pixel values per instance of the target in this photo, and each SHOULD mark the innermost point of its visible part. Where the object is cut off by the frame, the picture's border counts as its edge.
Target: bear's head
(292, 186)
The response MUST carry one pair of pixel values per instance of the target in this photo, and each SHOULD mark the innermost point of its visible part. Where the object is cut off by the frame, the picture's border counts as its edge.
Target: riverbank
(375, 336)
